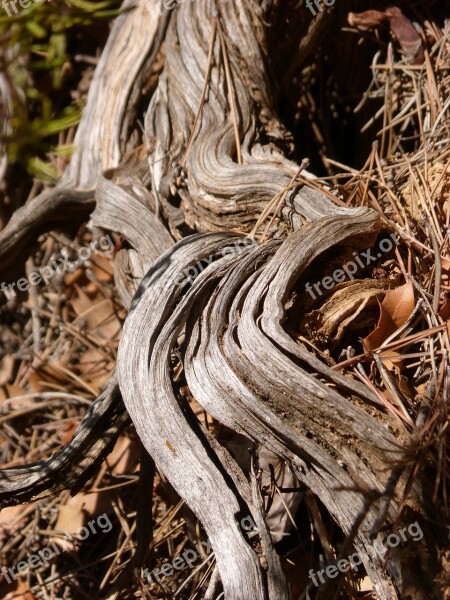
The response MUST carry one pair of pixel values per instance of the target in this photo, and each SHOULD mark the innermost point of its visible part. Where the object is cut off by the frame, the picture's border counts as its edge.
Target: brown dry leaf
(55, 371)
(17, 591)
(421, 389)
(36, 383)
(367, 20)
(406, 35)
(94, 369)
(9, 391)
(95, 365)
(97, 314)
(102, 268)
(445, 272)
(124, 456)
(392, 359)
(68, 431)
(83, 505)
(395, 310)
(70, 518)
(78, 511)
(71, 278)
(12, 520)
(444, 313)
(401, 28)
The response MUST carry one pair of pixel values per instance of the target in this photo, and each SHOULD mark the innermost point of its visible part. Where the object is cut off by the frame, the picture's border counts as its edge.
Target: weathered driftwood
(177, 446)
(219, 193)
(226, 326)
(115, 92)
(243, 375)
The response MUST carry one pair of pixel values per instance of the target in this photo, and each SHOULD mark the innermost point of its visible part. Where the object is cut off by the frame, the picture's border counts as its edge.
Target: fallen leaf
(17, 591)
(11, 519)
(36, 383)
(445, 272)
(8, 514)
(402, 29)
(395, 310)
(68, 431)
(124, 457)
(391, 359)
(6, 369)
(406, 35)
(367, 20)
(77, 512)
(9, 391)
(97, 315)
(102, 268)
(444, 313)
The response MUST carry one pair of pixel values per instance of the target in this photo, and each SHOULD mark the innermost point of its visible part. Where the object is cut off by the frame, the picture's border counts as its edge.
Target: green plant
(37, 46)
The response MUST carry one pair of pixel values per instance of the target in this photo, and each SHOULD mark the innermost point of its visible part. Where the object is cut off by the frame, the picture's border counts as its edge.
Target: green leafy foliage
(37, 48)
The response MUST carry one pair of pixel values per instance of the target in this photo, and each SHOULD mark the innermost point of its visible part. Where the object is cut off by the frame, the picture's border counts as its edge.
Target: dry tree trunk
(212, 159)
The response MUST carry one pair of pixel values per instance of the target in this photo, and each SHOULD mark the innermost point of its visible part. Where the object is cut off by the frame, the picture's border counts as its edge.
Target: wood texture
(219, 314)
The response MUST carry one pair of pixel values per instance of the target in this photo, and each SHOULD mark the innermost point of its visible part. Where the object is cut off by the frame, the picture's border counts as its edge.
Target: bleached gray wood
(101, 137)
(150, 332)
(239, 362)
(222, 195)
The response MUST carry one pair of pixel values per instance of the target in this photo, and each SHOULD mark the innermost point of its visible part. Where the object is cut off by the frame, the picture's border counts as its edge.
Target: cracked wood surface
(227, 326)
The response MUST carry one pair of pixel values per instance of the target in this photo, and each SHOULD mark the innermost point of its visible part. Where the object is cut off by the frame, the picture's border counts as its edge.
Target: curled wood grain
(221, 194)
(220, 315)
(179, 449)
